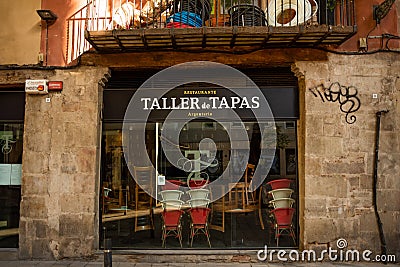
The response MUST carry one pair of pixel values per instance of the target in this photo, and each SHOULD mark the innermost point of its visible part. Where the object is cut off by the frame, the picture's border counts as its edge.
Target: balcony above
(179, 38)
(125, 26)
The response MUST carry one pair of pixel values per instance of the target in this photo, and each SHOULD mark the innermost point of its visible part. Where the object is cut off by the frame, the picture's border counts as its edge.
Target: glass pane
(240, 219)
(11, 136)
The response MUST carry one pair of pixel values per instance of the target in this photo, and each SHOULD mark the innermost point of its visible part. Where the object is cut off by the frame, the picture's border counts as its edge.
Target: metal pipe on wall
(375, 181)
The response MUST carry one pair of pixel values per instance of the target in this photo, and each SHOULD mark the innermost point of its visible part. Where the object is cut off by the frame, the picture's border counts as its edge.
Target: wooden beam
(9, 232)
(118, 41)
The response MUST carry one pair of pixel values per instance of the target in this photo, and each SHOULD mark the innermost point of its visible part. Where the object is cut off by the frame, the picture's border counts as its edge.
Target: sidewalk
(9, 259)
(99, 262)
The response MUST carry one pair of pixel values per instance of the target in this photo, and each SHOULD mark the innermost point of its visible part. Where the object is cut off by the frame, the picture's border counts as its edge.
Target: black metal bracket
(380, 11)
(346, 96)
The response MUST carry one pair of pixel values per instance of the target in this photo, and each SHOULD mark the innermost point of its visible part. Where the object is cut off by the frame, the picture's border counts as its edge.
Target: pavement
(131, 264)
(10, 259)
(98, 262)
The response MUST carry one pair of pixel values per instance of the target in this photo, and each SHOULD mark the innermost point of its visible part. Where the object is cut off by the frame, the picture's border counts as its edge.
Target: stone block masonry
(60, 167)
(339, 156)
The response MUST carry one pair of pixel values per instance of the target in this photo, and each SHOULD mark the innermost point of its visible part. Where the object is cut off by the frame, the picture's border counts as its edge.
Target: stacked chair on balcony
(246, 15)
(199, 213)
(282, 208)
(189, 13)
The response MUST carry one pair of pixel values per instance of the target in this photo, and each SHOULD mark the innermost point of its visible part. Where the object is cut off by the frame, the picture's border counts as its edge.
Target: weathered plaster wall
(58, 32)
(339, 157)
(60, 166)
(19, 32)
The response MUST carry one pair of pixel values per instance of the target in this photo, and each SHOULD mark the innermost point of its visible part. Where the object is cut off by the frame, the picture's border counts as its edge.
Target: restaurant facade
(94, 145)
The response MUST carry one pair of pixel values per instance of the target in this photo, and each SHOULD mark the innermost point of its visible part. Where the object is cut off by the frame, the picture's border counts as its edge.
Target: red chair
(196, 184)
(171, 225)
(199, 223)
(280, 183)
(283, 223)
(172, 185)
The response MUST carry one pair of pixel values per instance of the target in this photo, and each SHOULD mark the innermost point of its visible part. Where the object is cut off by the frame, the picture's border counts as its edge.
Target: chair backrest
(199, 202)
(199, 215)
(248, 174)
(196, 184)
(172, 204)
(236, 196)
(106, 191)
(281, 193)
(144, 176)
(171, 217)
(280, 183)
(171, 194)
(172, 185)
(282, 203)
(283, 216)
(198, 193)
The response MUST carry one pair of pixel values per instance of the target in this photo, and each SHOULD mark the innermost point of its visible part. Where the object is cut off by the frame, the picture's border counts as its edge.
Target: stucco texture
(20, 30)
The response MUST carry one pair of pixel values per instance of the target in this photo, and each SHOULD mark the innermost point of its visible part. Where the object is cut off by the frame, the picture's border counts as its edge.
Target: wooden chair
(217, 217)
(234, 202)
(241, 194)
(252, 201)
(248, 176)
(143, 201)
(107, 201)
(236, 196)
(243, 198)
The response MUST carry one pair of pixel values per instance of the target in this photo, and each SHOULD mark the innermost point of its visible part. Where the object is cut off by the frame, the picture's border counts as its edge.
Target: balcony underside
(208, 37)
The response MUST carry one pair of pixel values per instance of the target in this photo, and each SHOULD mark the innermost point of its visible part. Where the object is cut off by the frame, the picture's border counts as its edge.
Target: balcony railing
(76, 26)
(122, 25)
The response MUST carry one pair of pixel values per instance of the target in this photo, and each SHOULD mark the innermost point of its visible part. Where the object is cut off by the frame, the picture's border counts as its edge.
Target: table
(235, 212)
(126, 214)
(9, 232)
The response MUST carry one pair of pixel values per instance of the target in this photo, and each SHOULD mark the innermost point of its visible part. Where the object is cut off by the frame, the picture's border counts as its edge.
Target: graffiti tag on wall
(346, 96)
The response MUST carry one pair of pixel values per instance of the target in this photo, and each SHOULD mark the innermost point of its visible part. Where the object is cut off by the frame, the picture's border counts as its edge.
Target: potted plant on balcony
(331, 7)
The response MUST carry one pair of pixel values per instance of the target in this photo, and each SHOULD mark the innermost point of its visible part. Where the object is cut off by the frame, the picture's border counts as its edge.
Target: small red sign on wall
(55, 85)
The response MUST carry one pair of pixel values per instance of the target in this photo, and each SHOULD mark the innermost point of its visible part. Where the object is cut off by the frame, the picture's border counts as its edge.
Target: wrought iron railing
(124, 14)
(76, 25)
(106, 15)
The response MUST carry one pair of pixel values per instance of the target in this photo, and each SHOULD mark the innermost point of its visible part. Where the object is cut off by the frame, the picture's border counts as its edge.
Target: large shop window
(12, 103)
(181, 215)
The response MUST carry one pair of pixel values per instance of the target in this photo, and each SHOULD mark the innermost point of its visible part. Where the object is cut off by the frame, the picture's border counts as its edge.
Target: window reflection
(240, 219)
(11, 136)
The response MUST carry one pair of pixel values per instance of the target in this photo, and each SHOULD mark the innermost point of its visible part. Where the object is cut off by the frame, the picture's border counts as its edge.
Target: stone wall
(59, 208)
(339, 157)
(60, 167)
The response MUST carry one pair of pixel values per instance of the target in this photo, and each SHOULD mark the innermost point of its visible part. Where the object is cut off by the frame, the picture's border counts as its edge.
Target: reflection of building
(72, 145)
